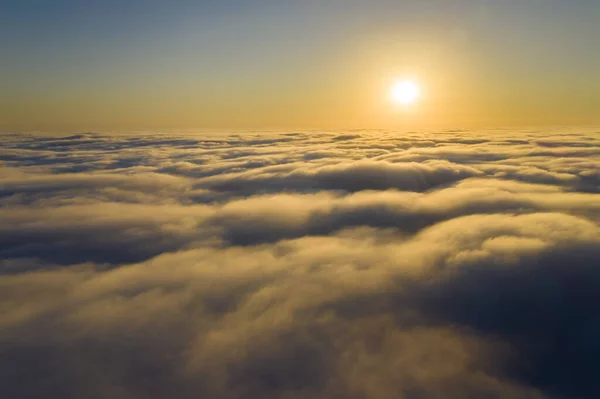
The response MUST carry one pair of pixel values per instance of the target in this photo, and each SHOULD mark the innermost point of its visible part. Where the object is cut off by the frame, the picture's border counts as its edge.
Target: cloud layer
(362, 264)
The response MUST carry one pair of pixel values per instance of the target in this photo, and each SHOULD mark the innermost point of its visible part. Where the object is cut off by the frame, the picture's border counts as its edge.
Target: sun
(405, 92)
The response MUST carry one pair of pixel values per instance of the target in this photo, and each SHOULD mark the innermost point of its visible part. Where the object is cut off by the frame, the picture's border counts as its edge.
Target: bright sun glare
(405, 92)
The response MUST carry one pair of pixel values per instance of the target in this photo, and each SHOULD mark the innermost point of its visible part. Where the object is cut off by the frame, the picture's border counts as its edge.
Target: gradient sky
(110, 64)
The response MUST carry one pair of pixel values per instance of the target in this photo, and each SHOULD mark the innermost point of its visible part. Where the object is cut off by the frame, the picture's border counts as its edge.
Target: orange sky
(323, 64)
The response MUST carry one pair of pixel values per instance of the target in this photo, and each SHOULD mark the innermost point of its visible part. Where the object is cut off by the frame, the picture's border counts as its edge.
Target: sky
(84, 65)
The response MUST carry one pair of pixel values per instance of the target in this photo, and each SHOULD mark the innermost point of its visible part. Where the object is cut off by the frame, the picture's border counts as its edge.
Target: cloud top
(300, 265)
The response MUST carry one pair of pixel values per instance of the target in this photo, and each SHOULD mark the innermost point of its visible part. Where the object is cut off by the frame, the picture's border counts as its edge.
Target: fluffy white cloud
(300, 265)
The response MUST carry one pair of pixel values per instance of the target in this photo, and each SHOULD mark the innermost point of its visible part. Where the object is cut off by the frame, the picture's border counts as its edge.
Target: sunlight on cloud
(367, 264)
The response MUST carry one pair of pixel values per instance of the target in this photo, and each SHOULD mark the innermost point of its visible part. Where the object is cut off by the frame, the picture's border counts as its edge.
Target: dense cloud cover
(458, 264)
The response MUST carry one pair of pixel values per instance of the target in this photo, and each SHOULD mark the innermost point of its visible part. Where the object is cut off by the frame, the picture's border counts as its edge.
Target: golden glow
(405, 92)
